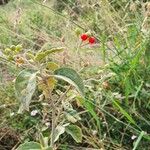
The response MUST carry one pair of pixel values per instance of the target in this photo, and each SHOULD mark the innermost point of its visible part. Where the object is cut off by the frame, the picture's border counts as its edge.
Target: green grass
(115, 71)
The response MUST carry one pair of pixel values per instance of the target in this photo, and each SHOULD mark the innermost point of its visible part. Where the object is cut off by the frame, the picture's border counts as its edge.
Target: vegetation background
(115, 114)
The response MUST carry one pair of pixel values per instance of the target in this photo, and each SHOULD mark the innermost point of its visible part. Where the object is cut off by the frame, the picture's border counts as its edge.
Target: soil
(8, 139)
(3, 2)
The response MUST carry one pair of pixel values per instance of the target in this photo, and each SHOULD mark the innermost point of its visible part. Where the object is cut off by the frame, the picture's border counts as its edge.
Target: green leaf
(70, 118)
(71, 76)
(138, 140)
(30, 146)
(75, 132)
(48, 148)
(124, 113)
(25, 85)
(43, 54)
(91, 109)
(43, 140)
(58, 131)
(128, 88)
(39, 56)
(72, 115)
(54, 50)
(52, 66)
(147, 52)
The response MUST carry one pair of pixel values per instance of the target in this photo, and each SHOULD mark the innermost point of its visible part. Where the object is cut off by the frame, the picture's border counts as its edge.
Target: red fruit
(92, 40)
(84, 37)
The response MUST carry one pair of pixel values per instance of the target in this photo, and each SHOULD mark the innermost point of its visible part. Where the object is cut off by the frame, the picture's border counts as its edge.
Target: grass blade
(138, 140)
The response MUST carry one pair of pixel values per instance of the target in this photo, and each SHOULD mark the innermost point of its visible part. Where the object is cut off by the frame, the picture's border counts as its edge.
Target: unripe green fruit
(10, 58)
(7, 51)
(77, 31)
(13, 47)
(18, 48)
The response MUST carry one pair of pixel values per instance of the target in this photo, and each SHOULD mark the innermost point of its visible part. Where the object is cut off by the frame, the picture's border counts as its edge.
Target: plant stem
(55, 117)
(53, 123)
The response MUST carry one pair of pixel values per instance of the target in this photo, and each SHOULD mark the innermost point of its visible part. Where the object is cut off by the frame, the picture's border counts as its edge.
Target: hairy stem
(53, 123)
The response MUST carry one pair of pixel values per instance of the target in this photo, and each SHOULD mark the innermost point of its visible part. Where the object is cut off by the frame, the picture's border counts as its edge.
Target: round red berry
(84, 37)
(92, 40)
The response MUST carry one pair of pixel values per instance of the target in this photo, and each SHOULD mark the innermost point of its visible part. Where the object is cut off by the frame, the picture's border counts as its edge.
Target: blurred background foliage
(115, 70)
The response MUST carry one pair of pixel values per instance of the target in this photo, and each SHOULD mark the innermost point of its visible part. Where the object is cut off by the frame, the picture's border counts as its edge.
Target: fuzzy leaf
(51, 83)
(71, 118)
(43, 140)
(48, 86)
(48, 148)
(75, 132)
(71, 76)
(40, 56)
(58, 131)
(54, 50)
(52, 66)
(25, 85)
(30, 146)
